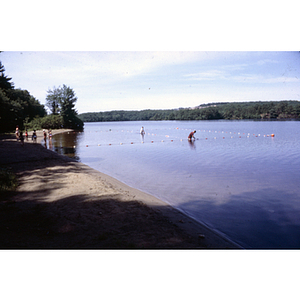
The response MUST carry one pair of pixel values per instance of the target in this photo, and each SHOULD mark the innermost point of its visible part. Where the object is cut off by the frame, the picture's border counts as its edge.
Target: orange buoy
(272, 135)
(87, 145)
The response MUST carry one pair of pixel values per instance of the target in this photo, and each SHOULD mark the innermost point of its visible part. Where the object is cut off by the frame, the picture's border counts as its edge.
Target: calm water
(235, 177)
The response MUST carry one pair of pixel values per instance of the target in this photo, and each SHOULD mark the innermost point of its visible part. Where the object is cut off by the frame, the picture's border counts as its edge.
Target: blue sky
(136, 80)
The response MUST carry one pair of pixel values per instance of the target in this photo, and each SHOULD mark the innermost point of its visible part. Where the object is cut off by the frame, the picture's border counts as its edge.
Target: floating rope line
(172, 140)
(166, 138)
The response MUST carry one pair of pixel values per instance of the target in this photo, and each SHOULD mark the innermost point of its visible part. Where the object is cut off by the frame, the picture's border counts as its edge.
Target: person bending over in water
(191, 135)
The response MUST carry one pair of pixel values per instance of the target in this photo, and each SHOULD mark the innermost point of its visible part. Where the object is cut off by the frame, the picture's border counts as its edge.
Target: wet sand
(63, 204)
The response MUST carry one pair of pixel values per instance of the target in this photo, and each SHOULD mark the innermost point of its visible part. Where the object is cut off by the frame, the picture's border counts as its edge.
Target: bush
(52, 122)
(48, 122)
(8, 180)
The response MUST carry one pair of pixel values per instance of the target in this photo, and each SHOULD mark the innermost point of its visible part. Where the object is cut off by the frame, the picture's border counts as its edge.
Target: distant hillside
(275, 110)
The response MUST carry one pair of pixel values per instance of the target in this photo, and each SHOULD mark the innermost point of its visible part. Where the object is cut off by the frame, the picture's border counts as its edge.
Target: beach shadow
(82, 222)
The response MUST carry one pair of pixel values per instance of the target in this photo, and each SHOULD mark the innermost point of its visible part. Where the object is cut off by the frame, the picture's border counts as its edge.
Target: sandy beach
(63, 204)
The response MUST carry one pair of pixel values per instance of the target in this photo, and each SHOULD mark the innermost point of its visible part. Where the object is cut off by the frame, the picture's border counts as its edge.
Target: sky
(137, 80)
(158, 55)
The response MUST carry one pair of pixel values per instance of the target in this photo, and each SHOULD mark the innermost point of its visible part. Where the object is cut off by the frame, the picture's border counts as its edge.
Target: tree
(67, 103)
(62, 101)
(53, 100)
(5, 83)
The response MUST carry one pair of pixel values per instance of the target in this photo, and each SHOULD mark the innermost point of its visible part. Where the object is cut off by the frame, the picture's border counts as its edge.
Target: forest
(19, 108)
(257, 110)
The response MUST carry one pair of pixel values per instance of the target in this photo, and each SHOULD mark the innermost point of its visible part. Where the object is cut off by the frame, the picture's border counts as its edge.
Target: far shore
(64, 204)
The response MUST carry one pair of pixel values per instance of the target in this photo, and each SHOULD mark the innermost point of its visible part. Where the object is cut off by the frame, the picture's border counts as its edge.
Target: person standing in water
(34, 136)
(142, 131)
(50, 134)
(191, 135)
(45, 135)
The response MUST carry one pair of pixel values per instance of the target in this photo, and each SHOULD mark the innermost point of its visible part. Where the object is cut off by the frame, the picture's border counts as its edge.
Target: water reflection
(50, 143)
(192, 144)
(66, 144)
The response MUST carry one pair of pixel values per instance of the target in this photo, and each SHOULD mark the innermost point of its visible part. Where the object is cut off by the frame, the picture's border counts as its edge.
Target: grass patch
(8, 180)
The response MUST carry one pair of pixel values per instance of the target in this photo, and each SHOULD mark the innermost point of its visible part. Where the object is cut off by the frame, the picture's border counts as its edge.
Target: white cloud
(208, 75)
(253, 78)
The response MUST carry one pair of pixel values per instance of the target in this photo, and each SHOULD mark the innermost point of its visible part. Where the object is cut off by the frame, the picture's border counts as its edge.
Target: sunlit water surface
(235, 177)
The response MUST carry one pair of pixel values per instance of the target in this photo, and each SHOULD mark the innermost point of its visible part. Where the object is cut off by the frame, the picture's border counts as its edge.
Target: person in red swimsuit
(191, 135)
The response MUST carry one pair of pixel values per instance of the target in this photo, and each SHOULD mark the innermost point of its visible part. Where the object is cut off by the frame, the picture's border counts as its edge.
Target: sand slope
(63, 204)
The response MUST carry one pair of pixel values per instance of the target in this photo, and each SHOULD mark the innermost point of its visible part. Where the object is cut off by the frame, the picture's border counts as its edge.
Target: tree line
(19, 108)
(267, 110)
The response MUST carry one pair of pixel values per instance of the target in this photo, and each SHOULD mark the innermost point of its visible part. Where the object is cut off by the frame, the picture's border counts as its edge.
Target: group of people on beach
(20, 136)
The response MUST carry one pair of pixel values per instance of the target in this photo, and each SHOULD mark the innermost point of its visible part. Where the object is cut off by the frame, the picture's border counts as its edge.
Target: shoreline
(64, 204)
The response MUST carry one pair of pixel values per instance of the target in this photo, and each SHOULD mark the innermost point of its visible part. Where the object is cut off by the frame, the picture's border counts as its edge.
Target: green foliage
(47, 122)
(5, 83)
(122, 115)
(53, 100)
(214, 111)
(8, 180)
(16, 106)
(62, 101)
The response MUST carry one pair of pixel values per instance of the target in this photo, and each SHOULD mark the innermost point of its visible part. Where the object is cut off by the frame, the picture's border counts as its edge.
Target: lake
(235, 177)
